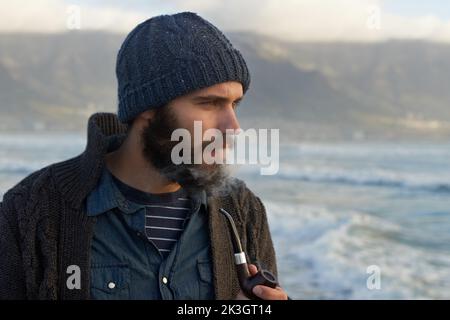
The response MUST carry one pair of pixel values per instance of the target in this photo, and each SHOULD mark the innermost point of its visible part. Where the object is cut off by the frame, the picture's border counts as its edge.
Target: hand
(264, 292)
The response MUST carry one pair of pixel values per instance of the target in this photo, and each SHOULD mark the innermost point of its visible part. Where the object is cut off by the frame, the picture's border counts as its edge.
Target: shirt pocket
(205, 274)
(110, 282)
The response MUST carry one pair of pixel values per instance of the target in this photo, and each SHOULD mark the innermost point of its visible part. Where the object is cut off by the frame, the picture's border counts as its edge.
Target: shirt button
(164, 280)
(111, 285)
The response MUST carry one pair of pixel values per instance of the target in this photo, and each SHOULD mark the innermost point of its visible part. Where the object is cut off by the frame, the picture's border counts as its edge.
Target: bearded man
(121, 220)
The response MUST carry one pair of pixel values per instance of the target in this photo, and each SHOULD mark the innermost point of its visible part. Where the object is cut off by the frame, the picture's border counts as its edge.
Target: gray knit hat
(171, 55)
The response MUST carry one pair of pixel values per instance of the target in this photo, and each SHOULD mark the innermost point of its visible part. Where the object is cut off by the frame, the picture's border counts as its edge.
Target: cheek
(208, 120)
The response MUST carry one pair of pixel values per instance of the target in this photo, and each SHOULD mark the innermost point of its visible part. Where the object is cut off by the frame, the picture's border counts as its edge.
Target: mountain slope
(308, 90)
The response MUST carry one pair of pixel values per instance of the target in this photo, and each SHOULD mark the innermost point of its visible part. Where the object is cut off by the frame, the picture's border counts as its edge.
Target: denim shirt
(126, 265)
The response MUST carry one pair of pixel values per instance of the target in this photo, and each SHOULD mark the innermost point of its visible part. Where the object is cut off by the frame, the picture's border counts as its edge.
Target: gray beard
(214, 179)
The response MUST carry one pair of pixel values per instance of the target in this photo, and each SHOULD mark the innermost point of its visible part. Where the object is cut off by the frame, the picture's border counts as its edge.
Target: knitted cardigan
(44, 227)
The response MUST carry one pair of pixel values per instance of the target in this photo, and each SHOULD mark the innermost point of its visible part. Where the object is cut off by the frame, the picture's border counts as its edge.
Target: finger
(268, 293)
(252, 269)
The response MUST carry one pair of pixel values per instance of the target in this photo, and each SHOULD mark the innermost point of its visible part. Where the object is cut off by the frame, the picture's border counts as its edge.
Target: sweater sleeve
(265, 249)
(12, 282)
(261, 251)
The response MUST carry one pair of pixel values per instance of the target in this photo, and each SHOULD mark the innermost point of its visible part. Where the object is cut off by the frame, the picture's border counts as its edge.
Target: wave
(373, 150)
(328, 251)
(407, 182)
(49, 141)
(19, 169)
(438, 182)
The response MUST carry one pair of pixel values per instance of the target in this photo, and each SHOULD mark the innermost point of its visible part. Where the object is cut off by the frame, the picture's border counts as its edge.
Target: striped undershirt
(166, 214)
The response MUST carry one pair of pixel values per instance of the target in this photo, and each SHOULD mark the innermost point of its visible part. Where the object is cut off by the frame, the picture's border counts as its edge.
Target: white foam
(325, 254)
(366, 176)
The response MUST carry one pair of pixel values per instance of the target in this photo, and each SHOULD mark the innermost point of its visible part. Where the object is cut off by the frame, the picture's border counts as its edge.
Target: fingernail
(257, 290)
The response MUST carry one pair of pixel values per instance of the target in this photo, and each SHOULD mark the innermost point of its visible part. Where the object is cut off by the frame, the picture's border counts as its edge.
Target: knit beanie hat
(171, 55)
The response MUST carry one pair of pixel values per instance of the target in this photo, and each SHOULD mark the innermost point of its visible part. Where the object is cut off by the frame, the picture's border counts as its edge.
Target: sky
(290, 20)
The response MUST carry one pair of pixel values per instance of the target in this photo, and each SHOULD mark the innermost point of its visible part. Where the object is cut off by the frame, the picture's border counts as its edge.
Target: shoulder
(248, 205)
(24, 186)
(235, 190)
(40, 180)
(30, 188)
(17, 199)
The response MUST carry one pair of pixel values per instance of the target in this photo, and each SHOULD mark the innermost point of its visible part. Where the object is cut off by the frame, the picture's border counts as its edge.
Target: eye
(208, 103)
(236, 104)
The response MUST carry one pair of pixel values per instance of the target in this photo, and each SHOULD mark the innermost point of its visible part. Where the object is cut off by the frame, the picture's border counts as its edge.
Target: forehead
(232, 89)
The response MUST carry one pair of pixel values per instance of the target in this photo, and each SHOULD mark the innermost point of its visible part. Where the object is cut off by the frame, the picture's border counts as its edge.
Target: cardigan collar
(78, 176)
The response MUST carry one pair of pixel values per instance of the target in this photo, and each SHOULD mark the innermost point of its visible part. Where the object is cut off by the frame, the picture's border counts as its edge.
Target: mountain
(388, 90)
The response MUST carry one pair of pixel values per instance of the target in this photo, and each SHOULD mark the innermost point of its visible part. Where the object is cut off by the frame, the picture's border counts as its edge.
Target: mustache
(213, 179)
(157, 148)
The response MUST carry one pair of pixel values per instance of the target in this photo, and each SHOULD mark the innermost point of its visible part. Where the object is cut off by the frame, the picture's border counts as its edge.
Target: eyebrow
(214, 97)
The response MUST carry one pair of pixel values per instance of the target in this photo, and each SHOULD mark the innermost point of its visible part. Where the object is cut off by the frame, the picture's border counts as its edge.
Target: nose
(229, 120)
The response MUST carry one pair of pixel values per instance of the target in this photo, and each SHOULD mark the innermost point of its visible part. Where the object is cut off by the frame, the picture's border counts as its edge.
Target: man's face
(215, 108)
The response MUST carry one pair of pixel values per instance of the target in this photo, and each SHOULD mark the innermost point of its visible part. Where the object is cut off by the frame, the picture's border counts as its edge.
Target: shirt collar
(200, 198)
(106, 196)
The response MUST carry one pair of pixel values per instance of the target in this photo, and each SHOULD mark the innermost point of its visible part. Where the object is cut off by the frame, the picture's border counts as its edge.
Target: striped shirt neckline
(166, 214)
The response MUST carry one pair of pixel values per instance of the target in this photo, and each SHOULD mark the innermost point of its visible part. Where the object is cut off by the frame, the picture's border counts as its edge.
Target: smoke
(215, 179)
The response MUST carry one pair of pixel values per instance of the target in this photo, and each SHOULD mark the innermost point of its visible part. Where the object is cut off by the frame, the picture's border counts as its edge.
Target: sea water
(335, 210)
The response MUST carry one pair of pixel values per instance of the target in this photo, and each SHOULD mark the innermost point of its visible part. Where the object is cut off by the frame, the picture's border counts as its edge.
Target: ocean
(336, 211)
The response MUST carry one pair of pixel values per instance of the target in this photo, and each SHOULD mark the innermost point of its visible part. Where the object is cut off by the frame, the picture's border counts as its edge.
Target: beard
(157, 149)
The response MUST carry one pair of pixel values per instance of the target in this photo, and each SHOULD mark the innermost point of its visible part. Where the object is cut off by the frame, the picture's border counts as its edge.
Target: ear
(146, 115)
(142, 119)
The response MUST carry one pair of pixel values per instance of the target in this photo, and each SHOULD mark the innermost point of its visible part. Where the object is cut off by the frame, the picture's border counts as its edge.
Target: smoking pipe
(247, 282)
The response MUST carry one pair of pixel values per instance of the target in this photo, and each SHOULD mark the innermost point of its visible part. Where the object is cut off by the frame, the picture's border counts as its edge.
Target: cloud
(57, 16)
(319, 20)
(293, 20)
